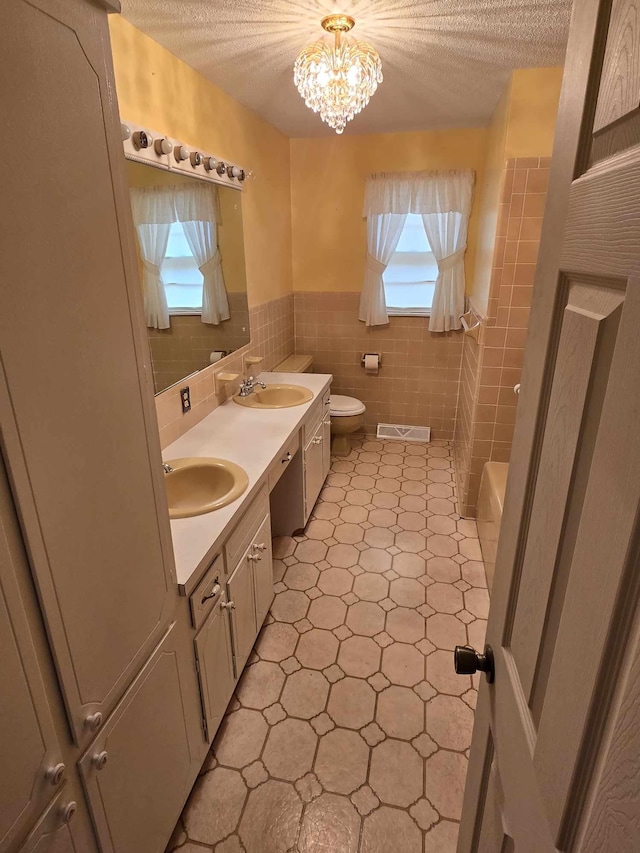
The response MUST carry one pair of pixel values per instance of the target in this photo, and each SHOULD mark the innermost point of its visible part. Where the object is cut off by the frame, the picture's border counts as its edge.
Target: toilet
(347, 413)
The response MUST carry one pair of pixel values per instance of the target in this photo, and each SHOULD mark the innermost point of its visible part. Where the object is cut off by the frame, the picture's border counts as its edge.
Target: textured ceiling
(445, 62)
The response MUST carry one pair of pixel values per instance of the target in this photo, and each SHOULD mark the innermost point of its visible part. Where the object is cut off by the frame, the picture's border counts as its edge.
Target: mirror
(190, 245)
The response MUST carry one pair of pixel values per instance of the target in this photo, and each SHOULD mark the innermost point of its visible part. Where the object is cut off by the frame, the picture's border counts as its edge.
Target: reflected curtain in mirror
(196, 208)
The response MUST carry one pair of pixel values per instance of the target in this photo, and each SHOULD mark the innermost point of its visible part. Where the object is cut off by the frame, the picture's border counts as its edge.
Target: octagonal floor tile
(449, 722)
(375, 560)
(359, 656)
(407, 592)
(348, 533)
(396, 773)
(305, 693)
(444, 598)
(366, 618)
(227, 790)
(342, 556)
(301, 576)
(390, 829)
(371, 586)
(342, 761)
(276, 641)
(260, 685)
(403, 664)
(327, 612)
(317, 649)
(335, 581)
(445, 774)
(240, 738)
(442, 676)
(400, 712)
(351, 703)
(330, 824)
(289, 606)
(271, 818)
(290, 749)
(405, 625)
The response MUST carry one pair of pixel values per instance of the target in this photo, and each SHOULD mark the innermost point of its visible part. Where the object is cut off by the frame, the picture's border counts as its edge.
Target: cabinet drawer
(207, 593)
(281, 464)
(237, 543)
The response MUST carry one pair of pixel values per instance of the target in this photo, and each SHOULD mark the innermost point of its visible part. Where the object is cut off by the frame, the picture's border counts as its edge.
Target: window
(410, 279)
(180, 274)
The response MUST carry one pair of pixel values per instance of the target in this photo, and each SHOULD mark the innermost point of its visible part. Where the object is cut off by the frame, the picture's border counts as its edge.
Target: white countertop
(249, 437)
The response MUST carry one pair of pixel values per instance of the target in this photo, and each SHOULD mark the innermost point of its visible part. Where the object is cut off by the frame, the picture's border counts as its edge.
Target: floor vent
(398, 432)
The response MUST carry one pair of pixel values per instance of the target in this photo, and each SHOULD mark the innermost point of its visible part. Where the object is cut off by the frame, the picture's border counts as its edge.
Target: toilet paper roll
(371, 364)
(215, 356)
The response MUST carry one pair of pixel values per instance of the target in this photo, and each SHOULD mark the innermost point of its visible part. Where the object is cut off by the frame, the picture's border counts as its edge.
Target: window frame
(180, 310)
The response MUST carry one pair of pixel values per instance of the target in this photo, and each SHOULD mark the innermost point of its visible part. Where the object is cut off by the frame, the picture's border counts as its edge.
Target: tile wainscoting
(271, 338)
(493, 365)
(420, 374)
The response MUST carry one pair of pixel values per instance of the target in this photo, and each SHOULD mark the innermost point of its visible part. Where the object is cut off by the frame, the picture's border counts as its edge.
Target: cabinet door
(136, 795)
(314, 475)
(241, 597)
(76, 409)
(28, 743)
(58, 830)
(262, 571)
(326, 447)
(215, 666)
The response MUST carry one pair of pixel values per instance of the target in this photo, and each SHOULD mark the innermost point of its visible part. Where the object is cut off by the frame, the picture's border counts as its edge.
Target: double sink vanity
(252, 469)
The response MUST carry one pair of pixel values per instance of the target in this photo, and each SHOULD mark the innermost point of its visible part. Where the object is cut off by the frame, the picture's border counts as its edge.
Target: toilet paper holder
(378, 354)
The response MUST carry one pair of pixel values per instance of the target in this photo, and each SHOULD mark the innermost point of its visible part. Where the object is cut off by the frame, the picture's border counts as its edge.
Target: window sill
(185, 312)
(409, 312)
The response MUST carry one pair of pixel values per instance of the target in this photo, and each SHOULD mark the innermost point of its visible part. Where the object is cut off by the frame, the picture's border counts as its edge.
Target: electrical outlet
(185, 397)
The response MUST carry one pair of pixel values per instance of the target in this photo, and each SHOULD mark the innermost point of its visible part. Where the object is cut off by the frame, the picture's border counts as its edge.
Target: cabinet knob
(228, 605)
(287, 458)
(93, 721)
(100, 759)
(68, 811)
(55, 773)
(254, 558)
(260, 546)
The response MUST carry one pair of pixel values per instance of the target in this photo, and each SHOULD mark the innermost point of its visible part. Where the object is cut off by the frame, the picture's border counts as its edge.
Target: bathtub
(489, 515)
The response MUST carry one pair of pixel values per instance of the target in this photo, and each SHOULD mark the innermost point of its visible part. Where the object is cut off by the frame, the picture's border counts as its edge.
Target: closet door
(30, 754)
(76, 410)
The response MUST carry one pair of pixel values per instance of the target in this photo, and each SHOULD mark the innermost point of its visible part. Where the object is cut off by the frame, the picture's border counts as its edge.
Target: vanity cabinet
(55, 830)
(316, 457)
(214, 658)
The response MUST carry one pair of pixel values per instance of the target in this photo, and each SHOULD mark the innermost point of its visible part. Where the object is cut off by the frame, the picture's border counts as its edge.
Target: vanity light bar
(147, 146)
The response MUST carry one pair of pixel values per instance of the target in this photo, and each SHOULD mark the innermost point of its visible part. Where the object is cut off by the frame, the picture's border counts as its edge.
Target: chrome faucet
(248, 386)
(166, 468)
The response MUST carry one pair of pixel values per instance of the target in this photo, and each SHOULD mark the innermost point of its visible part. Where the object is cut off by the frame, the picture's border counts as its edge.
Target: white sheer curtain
(444, 201)
(197, 210)
(383, 233)
(153, 213)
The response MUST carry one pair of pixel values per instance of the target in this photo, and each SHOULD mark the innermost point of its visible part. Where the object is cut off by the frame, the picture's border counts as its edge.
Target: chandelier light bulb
(337, 80)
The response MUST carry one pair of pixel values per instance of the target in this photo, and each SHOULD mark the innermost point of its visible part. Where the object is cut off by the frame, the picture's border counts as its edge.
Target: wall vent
(398, 432)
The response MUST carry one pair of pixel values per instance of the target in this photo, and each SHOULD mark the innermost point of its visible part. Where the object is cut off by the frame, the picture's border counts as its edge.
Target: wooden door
(32, 768)
(556, 745)
(241, 599)
(215, 667)
(137, 772)
(76, 406)
(262, 571)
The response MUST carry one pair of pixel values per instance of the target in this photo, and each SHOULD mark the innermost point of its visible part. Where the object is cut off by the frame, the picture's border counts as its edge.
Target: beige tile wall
(492, 366)
(271, 338)
(188, 343)
(419, 378)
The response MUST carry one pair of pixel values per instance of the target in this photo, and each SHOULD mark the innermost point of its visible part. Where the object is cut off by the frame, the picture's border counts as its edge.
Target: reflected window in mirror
(190, 244)
(180, 274)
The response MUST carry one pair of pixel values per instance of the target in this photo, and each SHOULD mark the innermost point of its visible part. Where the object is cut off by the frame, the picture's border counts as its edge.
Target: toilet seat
(341, 406)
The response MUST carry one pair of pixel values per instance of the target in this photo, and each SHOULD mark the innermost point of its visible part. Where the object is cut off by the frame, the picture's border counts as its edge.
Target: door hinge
(197, 666)
(204, 730)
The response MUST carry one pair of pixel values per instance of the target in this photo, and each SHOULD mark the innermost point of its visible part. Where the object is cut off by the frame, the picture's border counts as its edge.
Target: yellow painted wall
(158, 90)
(523, 125)
(327, 192)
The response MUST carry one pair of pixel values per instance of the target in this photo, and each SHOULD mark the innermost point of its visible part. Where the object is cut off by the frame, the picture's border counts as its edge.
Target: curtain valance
(162, 205)
(419, 192)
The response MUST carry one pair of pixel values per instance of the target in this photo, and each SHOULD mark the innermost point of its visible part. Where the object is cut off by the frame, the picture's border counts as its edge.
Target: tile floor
(349, 730)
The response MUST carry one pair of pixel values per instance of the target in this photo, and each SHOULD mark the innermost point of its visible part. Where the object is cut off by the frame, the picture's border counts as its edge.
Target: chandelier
(337, 80)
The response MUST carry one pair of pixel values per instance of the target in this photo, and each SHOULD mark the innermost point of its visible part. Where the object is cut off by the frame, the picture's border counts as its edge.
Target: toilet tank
(296, 364)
